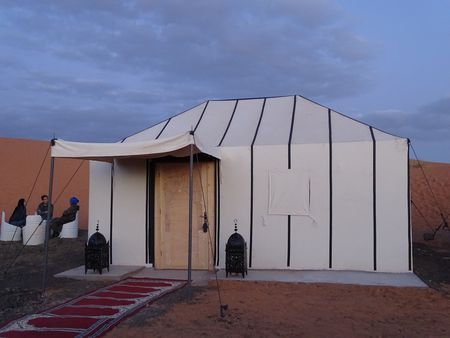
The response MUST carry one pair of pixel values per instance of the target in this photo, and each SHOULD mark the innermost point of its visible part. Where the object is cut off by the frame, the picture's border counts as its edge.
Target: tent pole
(49, 217)
(191, 165)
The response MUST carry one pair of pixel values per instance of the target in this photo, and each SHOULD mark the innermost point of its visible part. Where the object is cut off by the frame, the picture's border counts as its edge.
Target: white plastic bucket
(38, 237)
(9, 232)
(70, 230)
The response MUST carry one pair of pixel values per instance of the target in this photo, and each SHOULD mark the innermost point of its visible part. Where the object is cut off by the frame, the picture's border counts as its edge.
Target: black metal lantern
(236, 254)
(96, 253)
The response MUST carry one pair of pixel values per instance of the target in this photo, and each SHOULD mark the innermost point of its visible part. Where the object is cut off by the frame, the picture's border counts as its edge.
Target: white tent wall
(352, 221)
(99, 197)
(310, 235)
(147, 134)
(214, 122)
(129, 210)
(264, 128)
(245, 121)
(234, 199)
(269, 231)
(183, 122)
(393, 247)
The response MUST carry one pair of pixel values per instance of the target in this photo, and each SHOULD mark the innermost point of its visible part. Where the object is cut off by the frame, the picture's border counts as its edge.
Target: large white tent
(308, 187)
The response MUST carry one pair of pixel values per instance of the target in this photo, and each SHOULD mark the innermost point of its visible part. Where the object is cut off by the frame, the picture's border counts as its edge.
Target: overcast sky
(99, 70)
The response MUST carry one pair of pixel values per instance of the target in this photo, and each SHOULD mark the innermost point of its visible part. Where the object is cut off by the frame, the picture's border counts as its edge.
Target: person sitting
(68, 215)
(19, 215)
(42, 209)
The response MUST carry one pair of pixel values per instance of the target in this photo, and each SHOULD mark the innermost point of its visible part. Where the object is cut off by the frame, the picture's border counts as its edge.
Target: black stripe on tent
(251, 184)
(218, 211)
(151, 213)
(229, 123)
(374, 190)
(111, 214)
(159, 134)
(289, 167)
(201, 116)
(215, 211)
(146, 210)
(409, 211)
(330, 147)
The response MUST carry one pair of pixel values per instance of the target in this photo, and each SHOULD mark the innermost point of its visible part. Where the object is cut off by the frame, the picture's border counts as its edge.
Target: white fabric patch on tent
(288, 193)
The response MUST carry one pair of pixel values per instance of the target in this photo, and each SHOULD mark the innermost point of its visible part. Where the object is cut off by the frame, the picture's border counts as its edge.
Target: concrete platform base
(115, 273)
(202, 277)
(408, 279)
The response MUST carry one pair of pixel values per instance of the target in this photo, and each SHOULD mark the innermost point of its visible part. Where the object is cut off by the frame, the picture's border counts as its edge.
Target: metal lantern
(96, 253)
(236, 254)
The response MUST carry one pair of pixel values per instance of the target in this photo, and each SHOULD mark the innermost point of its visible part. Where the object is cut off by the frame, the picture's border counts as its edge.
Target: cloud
(142, 61)
(430, 123)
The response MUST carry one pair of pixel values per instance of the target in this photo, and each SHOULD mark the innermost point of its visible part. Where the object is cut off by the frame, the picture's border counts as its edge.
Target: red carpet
(93, 314)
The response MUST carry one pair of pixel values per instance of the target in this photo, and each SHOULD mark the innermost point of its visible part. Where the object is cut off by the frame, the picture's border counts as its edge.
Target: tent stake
(49, 217)
(191, 165)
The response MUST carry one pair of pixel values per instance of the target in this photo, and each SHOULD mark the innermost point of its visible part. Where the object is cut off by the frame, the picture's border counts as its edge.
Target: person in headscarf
(68, 215)
(19, 215)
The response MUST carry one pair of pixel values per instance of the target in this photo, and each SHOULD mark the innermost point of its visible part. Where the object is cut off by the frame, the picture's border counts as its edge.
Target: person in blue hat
(68, 215)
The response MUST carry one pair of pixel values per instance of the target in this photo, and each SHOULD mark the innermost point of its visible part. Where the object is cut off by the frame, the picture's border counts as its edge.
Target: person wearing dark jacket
(42, 209)
(68, 215)
(19, 215)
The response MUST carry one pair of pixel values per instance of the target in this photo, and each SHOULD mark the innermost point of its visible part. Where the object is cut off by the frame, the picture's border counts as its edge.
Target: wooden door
(172, 215)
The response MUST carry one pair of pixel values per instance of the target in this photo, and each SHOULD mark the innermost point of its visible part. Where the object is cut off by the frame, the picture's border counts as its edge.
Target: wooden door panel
(171, 215)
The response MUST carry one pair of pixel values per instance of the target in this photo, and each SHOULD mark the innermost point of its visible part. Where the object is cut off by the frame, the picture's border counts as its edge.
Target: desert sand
(426, 213)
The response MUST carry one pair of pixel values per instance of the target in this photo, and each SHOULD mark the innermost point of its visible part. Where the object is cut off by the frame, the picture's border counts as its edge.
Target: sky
(100, 70)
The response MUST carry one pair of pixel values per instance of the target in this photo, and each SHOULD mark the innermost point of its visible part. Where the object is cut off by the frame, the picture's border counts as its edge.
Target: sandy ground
(21, 282)
(262, 309)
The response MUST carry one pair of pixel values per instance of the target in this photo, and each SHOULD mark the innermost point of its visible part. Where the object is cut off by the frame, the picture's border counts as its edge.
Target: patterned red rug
(95, 313)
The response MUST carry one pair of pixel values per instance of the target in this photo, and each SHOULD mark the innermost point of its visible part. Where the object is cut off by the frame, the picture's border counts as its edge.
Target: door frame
(150, 239)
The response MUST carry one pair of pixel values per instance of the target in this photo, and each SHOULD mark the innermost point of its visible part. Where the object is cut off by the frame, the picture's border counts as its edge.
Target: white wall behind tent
(341, 232)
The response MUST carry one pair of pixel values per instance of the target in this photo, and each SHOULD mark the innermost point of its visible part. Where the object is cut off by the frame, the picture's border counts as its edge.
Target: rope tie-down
(443, 225)
(205, 226)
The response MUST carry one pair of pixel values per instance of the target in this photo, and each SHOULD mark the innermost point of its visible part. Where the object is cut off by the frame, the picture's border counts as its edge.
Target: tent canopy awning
(177, 146)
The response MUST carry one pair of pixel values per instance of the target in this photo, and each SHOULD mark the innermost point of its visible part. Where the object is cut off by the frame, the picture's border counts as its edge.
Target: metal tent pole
(49, 217)
(191, 165)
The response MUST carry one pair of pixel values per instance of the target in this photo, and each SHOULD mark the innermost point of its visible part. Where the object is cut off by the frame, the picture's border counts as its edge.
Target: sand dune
(427, 214)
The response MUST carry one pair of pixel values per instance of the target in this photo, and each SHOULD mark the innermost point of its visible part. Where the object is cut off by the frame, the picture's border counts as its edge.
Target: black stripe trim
(111, 214)
(330, 147)
(146, 208)
(218, 211)
(252, 183)
(289, 167)
(409, 212)
(374, 174)
(291, 132)
(201, 116)
(351, 118)
(229, 123)
(159, 134)
(151, 216)
(289, 242)
(215, 211)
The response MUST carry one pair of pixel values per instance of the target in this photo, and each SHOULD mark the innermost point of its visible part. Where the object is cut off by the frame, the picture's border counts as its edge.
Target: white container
(70, 230)
(34, 230)
(9, 232)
